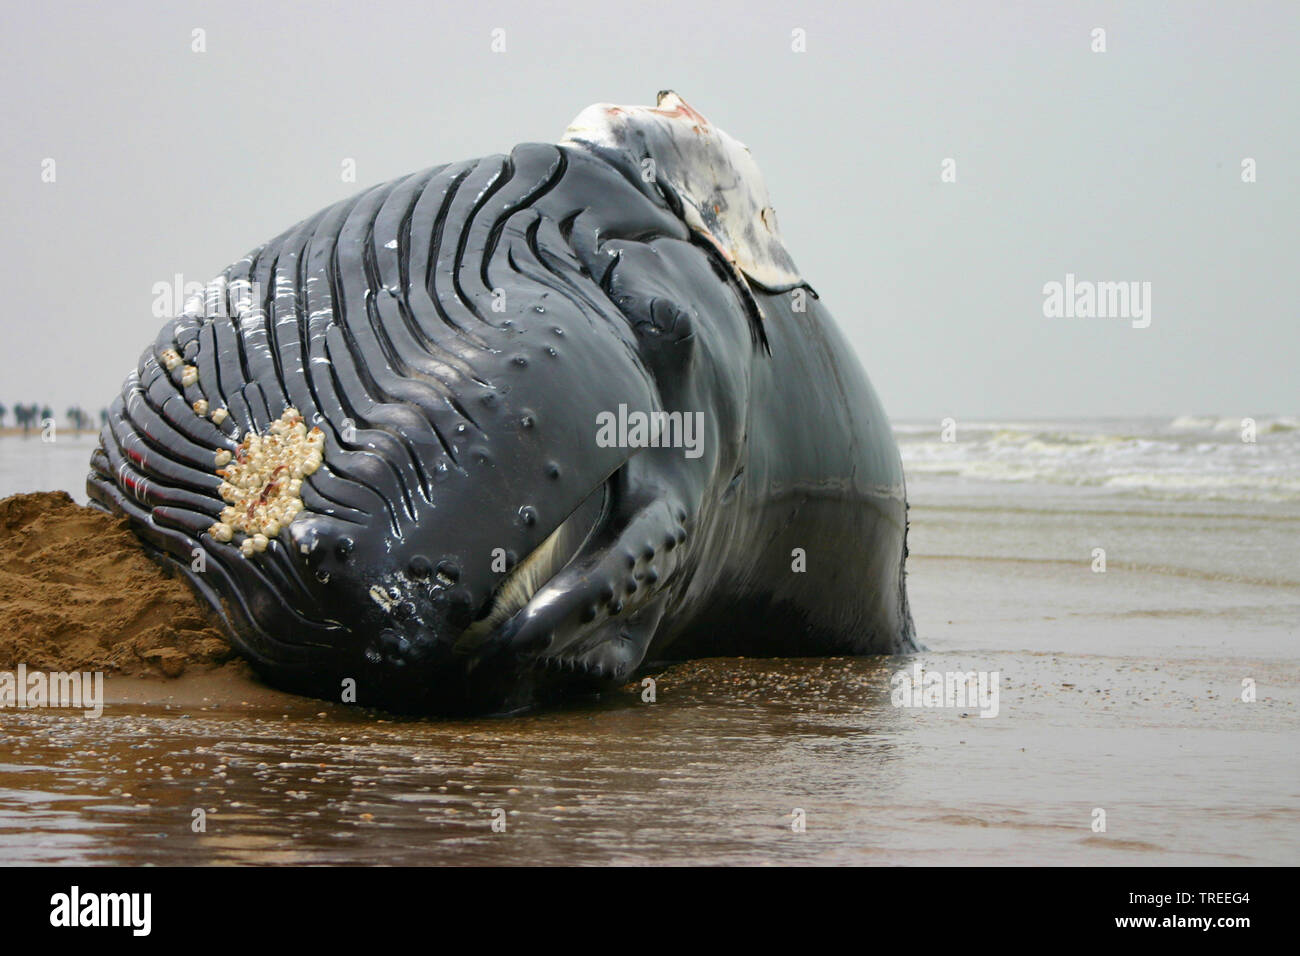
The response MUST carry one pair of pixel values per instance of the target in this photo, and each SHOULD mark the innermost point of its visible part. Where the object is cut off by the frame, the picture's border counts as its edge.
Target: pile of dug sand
(78, 593)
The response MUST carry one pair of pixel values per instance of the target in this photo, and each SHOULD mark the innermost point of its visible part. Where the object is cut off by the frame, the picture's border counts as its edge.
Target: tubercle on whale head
(722, 193)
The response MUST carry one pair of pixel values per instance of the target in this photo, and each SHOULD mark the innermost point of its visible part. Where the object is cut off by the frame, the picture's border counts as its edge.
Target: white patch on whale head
(723, 196)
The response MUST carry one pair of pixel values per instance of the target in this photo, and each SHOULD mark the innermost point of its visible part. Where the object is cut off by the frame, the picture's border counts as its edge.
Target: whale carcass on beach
(510, 428)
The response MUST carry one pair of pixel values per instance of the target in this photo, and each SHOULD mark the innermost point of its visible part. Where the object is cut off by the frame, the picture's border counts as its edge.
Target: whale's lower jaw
(423, 678)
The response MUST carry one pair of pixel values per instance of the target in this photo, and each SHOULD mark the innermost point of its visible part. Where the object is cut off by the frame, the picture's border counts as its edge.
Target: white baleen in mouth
(723, 196)
(539, 567)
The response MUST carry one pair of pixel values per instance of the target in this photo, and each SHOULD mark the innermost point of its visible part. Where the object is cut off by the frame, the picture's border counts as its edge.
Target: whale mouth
(516, 591)
(587, 602)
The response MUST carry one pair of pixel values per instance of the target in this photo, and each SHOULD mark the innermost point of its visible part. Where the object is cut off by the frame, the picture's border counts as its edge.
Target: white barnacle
(201, 407)
(222, 531)
(170, 359)
(246, 547)
(219, 415)
(262, 480)
(189, 375)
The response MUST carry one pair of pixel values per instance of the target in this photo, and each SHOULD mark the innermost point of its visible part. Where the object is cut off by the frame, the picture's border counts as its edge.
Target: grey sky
(1123, 165)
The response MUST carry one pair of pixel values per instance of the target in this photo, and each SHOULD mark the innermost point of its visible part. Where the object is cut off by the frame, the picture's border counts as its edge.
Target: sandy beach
(1119, 690)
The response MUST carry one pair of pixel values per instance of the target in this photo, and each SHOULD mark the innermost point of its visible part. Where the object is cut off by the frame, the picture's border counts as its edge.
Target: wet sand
(1119, 691)
(711, 773)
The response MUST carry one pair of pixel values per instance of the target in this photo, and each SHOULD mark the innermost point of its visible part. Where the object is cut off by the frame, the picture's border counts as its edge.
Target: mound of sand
(78, 593)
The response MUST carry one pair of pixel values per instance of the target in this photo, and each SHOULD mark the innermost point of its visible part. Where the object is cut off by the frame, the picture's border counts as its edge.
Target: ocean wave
(1267, 424)
(1190, 457)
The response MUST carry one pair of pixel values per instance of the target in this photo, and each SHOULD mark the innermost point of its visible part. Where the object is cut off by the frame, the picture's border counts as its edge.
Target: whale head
(458, 453)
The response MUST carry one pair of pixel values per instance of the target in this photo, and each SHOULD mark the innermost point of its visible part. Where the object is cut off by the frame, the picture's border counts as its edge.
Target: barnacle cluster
(262, 480)
(171, 360)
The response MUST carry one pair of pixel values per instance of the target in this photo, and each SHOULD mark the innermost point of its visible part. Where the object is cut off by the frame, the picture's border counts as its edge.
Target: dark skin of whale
(455, 335)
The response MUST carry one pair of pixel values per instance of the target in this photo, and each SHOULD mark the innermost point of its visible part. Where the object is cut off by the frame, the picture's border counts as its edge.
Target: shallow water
(711, 772)
(1119, 690)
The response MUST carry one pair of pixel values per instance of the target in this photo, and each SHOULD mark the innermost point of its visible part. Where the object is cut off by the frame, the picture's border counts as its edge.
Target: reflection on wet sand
(713, 768)
(713, 771)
